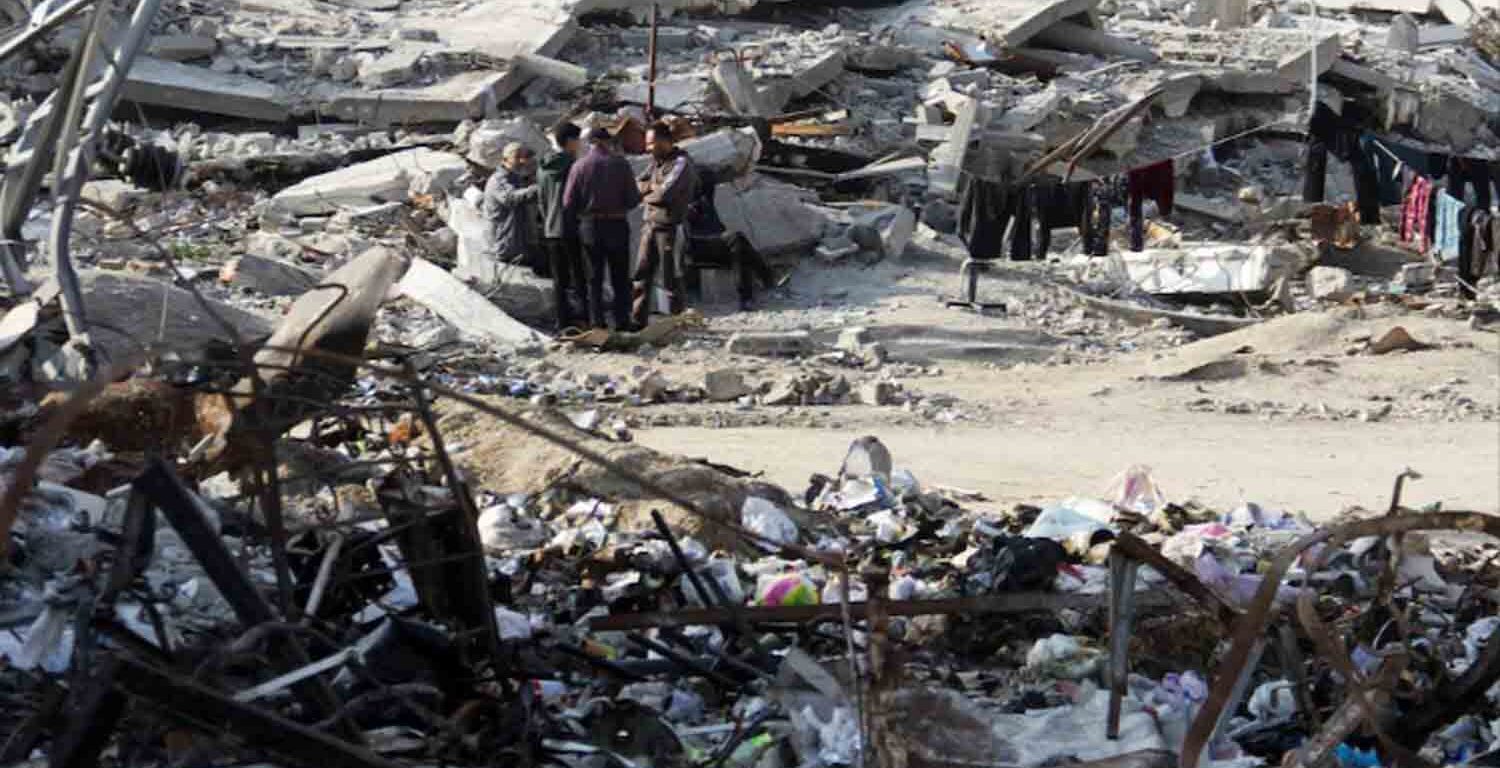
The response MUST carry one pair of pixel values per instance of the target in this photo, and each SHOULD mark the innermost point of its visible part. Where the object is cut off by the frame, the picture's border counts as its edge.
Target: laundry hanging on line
(1157, 181)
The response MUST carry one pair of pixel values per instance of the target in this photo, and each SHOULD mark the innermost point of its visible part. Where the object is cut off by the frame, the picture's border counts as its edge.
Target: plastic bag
(766, 519)
(1135, 490)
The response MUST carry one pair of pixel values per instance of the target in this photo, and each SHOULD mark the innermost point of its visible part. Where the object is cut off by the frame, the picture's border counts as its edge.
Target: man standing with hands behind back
(667, 188)
(601, 193)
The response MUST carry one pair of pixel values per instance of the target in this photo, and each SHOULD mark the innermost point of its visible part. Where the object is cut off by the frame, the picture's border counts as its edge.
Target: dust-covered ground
(1049, 399)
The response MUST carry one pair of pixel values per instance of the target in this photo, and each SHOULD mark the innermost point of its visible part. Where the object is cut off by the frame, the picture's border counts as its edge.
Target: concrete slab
(776, 217)
(463, 96)
(134, 303)
(671, 94)
(729, 152)
(394, 68)
(818, 74)
(273, 277)
(1417, 7)
(1455, 11)
(169, 84)
(182, 47)
(1007, 23)
(436, 289)
(370, 183)
(503, 29)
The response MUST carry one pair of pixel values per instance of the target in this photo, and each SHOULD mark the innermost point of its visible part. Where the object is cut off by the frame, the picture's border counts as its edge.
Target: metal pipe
(76, 149)
(38, 28)
(325, 572)
(651, 71)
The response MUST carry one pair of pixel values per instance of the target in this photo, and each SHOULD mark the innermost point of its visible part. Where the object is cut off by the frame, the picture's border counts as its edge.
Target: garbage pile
(398, 582)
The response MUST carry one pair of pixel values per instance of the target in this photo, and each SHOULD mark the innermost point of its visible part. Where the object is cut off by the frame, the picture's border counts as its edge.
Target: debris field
(1119, 386)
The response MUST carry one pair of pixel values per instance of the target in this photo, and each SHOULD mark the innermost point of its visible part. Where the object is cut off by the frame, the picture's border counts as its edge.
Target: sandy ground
(1057, 401)
(1319, 469)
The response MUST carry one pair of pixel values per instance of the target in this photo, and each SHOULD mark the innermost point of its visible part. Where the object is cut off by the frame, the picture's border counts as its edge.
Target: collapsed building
(292, 474)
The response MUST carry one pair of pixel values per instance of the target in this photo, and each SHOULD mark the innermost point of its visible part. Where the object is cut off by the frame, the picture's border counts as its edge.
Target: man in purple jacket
(601, 192)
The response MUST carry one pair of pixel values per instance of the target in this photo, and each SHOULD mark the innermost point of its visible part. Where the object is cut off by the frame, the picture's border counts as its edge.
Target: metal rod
(683, 660)
(682, 561)
(651, 70)
(325, 573)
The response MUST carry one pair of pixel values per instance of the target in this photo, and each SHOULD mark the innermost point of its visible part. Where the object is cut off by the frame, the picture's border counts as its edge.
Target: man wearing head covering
(560, 227)
(510, 203)
(601, 192)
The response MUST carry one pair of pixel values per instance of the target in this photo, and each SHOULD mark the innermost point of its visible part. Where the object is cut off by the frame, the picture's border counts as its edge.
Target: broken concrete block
(877, 393)
(385, 179)
(182, 47)
(883, 58)
(123, 300)
(778, 218)
(399, 66)
(1330, 283)
(650, 385)
(1458, 12)
(739, 88)
(446, 296)
(667, 38)
(169, 84)
(725, 385)
(818, 74)
(1404, 34)
(489, 138)
(112, 193)
(784, 392)
(771, 344)
(836, 249)
(273, 277)
(570, 75)
(894, 225)
(476, 237)
(947, 161)
(853, 339)
(1076, 37)
(672, 93)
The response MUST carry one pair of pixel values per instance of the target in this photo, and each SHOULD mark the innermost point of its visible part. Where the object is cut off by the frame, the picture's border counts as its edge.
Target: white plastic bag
(766, 519)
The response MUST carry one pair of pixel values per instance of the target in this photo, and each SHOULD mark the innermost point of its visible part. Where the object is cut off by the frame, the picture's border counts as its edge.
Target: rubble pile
(296, 469)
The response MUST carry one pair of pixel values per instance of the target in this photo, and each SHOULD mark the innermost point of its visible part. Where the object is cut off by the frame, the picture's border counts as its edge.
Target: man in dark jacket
(668, 187)
(510, 198)
(713, 245)
(559, 226)
(601, 193)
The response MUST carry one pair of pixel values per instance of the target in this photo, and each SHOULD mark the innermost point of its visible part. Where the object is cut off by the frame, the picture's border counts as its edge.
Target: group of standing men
(584, 199)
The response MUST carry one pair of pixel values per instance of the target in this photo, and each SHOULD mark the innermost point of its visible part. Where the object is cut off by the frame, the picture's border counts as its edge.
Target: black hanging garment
(1475, 244)
(1464, 172)
(1029, 234)
(984, 209)
(1098, 210)
(1156, 181)
(1328, 133)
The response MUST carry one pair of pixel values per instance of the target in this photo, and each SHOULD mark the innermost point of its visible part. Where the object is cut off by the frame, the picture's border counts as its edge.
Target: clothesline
(1194, 151)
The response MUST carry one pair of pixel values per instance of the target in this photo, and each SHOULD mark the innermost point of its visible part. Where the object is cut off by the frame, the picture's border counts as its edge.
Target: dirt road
(1316, 468)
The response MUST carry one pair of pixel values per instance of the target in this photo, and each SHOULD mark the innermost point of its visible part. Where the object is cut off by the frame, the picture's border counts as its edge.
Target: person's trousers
(750, 264)
(658, 252)
(733, 251)
(606, 244)
(566, 260)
